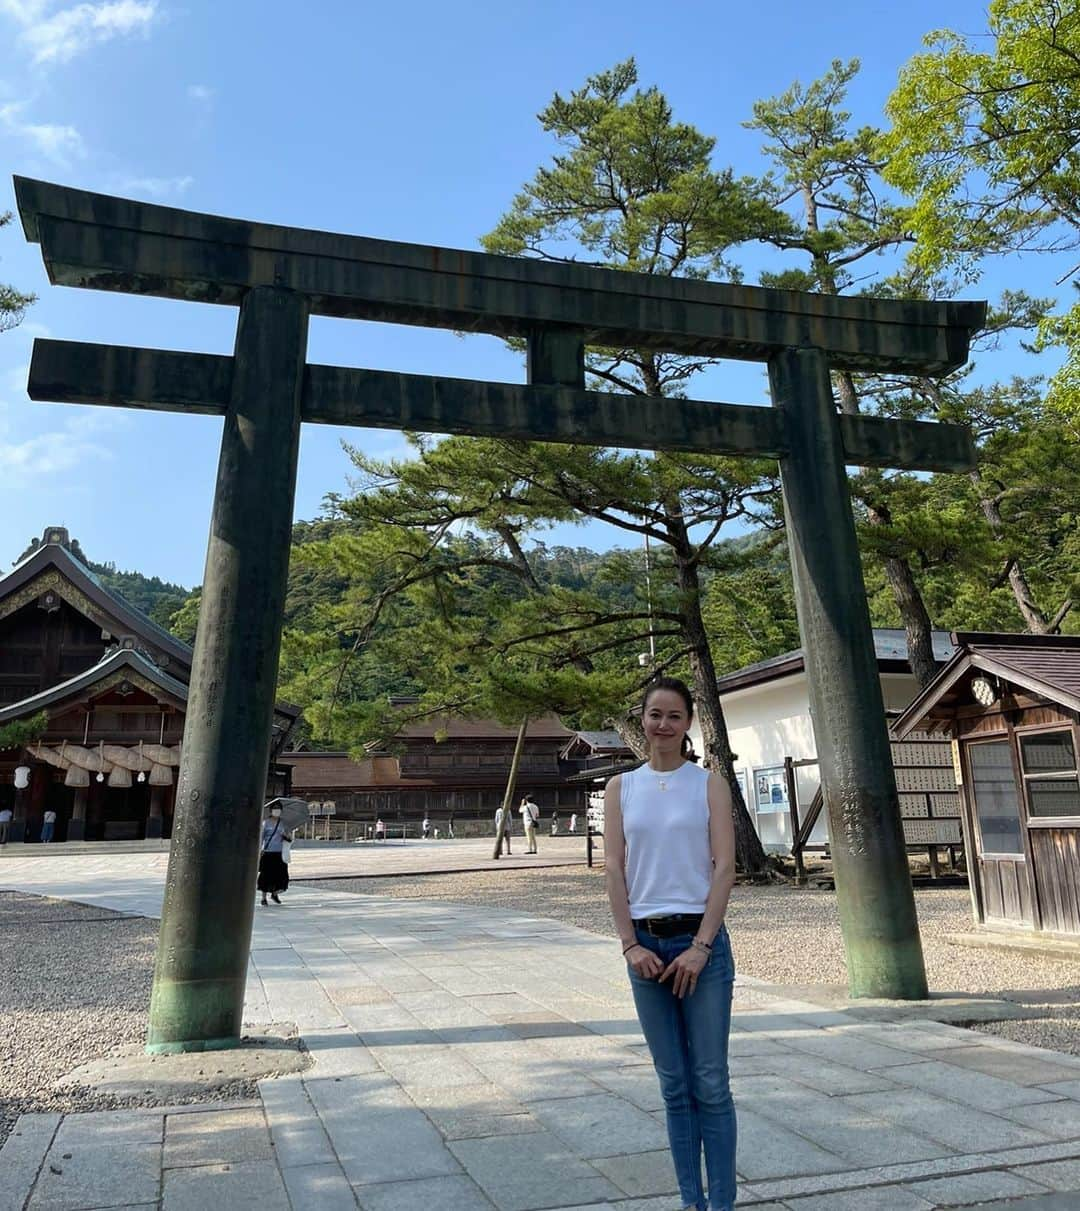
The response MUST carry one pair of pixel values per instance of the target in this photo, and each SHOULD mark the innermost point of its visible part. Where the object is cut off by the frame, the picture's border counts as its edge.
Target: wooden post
(511, 782)
(873, 883)
(793, 812)
(155, 820)
(198, 993)
(76, 829)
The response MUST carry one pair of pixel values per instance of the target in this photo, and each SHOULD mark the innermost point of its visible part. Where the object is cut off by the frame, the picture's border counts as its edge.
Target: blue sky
(412, 121)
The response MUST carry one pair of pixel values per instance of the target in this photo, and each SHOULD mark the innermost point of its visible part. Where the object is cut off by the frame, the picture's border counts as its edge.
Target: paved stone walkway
(468, 1060)
(340, 860)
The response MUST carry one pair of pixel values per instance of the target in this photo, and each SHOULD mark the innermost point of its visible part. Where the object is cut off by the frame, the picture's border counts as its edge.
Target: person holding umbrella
(277, 832)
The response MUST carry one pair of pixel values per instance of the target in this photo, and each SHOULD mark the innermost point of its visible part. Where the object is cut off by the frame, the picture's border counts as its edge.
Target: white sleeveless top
(665, 819)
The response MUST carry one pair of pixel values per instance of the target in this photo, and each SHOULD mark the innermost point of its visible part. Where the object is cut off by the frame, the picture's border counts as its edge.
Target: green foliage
(985, 136)
(20, 732)
(986, 140)
(749, 607)
(442, 590)
(631, 188)
(825, 191)
(184, 620)
(150, 594)
(13, 303)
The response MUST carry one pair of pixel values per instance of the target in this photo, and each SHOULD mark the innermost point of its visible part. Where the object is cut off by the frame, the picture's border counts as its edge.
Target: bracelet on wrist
(630, 947)
(698, 944)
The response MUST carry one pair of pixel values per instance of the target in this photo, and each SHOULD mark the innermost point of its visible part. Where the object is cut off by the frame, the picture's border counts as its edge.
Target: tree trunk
(750, 856)
(1034, 619)
(511, 783)
(632, 734)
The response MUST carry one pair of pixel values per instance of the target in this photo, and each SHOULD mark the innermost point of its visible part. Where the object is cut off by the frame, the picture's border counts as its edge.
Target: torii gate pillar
(873, 884)
(206, 919)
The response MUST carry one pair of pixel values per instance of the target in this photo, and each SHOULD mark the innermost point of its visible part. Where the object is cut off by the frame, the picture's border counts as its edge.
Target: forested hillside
(154, 596)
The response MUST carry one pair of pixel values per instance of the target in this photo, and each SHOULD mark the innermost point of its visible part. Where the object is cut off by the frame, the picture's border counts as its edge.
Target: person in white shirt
(670, 840)
(5, 824)
(48, 826)
(530, 817)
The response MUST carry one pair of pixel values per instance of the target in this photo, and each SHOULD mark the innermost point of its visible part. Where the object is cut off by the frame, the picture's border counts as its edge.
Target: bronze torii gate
(278, 277)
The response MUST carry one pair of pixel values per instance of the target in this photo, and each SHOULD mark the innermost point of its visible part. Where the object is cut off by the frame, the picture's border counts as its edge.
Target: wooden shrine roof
(1046, 665)
(114, 667)
(53, 566)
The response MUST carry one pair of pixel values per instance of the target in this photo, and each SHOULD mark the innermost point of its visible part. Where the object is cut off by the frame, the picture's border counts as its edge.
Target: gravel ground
(777, 930)
(75, 987)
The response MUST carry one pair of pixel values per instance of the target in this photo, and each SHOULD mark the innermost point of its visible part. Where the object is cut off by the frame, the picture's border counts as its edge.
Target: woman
(669, 833)
(273, 869)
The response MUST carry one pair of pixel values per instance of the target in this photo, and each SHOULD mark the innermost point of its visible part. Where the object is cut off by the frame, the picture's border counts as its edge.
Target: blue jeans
(688, 1039)
(47, 830)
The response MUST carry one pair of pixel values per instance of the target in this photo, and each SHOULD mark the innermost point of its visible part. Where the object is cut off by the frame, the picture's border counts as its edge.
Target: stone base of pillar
(17, 831)
(76, 830)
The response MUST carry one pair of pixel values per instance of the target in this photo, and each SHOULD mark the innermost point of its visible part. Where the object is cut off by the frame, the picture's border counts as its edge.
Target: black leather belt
(669, 927)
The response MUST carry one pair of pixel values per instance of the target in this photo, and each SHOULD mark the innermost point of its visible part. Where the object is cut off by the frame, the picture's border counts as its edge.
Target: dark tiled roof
(108, 664)
(132, 620)
(602, 740)
(1047, 665)
(890, 646)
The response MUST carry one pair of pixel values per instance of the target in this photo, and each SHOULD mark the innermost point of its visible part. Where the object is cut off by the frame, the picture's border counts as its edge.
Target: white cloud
(156, 187)
(48, 454)
(202, 93)
(70, 31)
(24, 11)
(60, 144)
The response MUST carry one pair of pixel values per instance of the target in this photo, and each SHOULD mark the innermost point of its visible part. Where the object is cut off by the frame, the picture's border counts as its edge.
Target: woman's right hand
(645, 963)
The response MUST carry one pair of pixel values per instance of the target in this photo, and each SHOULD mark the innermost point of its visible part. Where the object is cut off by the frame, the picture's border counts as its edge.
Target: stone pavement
(340, 860)
(467, 1059)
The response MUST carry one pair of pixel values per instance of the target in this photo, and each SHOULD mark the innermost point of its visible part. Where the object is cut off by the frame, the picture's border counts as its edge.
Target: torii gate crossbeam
(278, 277)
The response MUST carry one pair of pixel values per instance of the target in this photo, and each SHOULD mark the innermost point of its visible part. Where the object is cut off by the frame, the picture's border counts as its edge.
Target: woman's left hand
(684, 970)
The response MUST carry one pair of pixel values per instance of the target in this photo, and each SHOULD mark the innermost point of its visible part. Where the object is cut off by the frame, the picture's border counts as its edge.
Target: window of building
(1048, 760)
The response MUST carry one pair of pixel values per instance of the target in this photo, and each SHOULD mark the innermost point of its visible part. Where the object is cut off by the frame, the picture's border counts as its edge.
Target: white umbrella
(294, 812)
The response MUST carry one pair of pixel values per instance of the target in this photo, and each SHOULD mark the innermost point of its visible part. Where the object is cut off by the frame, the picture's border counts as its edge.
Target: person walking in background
(554, 824)
(530, 817)
(5, 824)
(48, 826)
(380, 830)
(450, 826)
(670, 869)
(425, 828)
(273, 869)
(573, 822)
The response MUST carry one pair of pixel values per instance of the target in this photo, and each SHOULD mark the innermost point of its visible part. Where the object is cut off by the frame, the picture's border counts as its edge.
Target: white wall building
(767, 709)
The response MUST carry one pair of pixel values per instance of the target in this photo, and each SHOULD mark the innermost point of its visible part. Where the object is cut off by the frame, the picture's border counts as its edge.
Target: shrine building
(105, 688)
